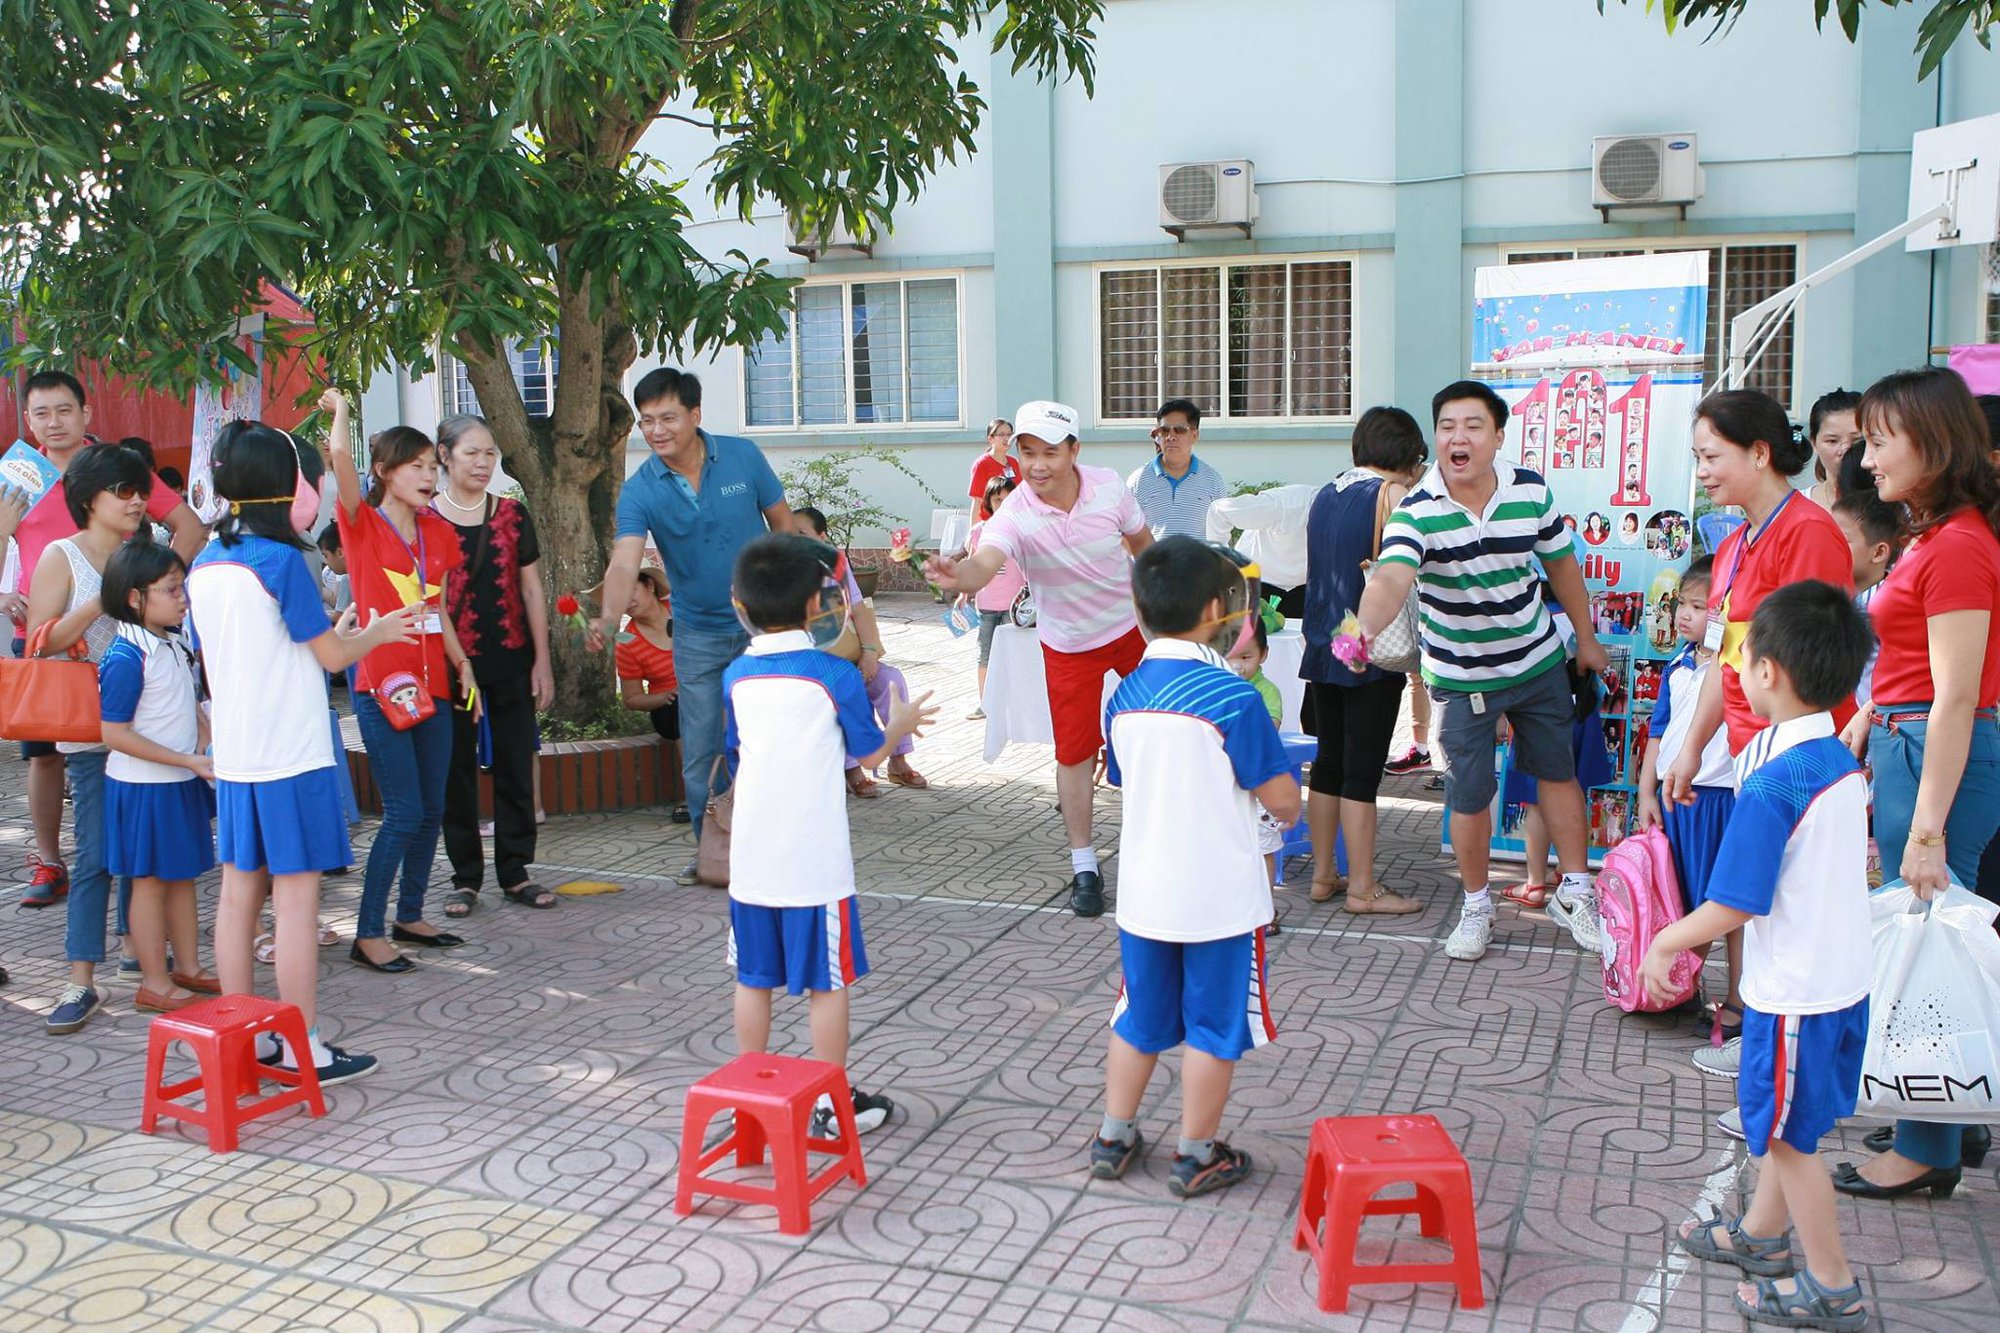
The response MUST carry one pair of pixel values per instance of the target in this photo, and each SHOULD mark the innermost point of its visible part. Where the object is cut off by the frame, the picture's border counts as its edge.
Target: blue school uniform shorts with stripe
(797, 949)
(1211, 994)
(1799, 1074)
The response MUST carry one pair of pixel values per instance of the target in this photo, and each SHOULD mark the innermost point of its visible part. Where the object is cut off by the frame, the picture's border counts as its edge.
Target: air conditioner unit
(1195, 195)
(831, 241)
(1644, 171)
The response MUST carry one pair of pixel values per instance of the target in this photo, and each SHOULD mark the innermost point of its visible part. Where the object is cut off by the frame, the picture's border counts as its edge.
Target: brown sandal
(1382, 903)
(909, 777)
(1323, 890)
(860, 784)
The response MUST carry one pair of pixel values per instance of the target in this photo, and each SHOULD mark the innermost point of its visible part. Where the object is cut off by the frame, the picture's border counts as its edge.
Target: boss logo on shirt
(736, 488)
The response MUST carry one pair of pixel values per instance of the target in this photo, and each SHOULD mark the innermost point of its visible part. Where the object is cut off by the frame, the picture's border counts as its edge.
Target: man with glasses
(1176, 488)
(59, 419)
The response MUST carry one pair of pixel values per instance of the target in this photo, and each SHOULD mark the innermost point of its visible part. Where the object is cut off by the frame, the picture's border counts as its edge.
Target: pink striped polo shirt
(1074, 559)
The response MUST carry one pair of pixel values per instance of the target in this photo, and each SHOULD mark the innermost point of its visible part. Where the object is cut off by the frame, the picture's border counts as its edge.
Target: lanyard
(416, 553)
(1749, 541)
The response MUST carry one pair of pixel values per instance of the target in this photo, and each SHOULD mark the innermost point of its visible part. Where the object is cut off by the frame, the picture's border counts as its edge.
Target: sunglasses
(125, 490)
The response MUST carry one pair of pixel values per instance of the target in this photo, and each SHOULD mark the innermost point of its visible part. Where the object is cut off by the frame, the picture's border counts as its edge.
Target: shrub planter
(578, 777)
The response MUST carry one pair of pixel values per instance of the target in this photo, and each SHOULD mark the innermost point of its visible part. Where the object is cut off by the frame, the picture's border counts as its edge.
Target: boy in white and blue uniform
(1195, 750)
(1793, 874)
(792, 716)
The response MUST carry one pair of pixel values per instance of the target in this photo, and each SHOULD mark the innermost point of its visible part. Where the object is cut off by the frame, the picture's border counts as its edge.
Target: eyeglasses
(1172, 432)
(125, 490)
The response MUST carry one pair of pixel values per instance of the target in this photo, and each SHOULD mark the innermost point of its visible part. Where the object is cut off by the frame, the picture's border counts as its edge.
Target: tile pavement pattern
(512, 1165)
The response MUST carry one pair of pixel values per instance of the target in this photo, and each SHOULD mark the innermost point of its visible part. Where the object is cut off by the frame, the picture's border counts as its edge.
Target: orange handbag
(50, 698)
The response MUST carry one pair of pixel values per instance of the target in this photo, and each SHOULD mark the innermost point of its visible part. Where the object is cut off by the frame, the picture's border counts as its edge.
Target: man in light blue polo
(1175, 489)
(702, 498)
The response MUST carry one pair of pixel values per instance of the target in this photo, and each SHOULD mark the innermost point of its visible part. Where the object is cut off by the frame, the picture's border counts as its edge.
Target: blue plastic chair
(1300, 748)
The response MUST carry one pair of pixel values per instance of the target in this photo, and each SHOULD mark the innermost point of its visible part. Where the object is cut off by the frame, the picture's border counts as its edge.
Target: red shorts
(1076, 693)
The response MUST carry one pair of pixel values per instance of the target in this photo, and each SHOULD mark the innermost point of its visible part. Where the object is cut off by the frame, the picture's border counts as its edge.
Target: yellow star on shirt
(406, 587)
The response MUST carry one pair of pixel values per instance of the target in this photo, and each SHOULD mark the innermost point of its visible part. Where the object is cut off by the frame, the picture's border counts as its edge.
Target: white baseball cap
(1049, 422)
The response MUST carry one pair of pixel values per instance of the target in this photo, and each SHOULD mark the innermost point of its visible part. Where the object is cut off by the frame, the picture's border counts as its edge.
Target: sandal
(1322, 890)
(265, 950)
(1719, 1031)
(530, 894)
(1810, 1304)
(1382, 903)
(460, 902)
(1762, 1256)
(860, 784)
(909, 777)
(1527, 895)
(328, 936)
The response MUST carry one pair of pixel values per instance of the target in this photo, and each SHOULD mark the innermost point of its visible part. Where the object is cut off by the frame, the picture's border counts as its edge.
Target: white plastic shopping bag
(1934, 1011)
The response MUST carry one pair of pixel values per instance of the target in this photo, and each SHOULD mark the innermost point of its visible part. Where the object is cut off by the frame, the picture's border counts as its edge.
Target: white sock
(1082, 859)
(321, 1056)
(1481, 901)
(1576, 885)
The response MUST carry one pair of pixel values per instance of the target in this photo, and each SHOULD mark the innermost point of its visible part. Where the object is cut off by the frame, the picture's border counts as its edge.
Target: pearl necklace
(475, 512)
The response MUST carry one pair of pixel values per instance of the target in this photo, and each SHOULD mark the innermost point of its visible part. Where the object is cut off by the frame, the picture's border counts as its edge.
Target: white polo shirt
(1796, 858)
(1188, 739)
(1074, 559)
(791, 716)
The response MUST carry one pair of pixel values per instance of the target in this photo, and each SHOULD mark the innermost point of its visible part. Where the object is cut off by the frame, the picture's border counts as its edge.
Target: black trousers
(510, 711)
(1356, 724)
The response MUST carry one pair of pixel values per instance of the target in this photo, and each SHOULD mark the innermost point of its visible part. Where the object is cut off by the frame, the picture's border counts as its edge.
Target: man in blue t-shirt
(702, 498)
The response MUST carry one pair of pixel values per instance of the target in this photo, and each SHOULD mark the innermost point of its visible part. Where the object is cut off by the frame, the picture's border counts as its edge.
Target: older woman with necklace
(496, 604)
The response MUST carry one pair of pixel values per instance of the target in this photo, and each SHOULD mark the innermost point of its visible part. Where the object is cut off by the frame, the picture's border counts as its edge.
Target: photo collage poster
(239, 397)
(1600, 363)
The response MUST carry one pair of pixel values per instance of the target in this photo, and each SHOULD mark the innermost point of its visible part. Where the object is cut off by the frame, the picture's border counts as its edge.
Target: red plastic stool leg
(156, 1068)
(1312, 1205)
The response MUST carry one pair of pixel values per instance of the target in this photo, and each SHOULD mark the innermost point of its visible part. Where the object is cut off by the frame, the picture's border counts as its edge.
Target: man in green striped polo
(1478, 537)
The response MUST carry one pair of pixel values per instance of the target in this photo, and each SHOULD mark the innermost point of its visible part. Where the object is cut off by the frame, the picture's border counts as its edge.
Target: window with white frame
(1739, 276)
(1256, 339)
(535, 363)
(870, 352)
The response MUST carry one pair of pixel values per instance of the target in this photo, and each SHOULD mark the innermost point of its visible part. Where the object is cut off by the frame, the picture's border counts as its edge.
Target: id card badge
(1479, 705)
(1711, 638)
(432, 623)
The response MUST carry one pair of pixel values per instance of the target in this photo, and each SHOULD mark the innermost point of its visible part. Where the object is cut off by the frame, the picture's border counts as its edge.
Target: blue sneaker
(1226, 1166)
(1111, 1158)
(74, 1009)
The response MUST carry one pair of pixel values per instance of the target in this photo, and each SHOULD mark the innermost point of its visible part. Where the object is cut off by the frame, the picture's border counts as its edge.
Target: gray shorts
(1542, 714)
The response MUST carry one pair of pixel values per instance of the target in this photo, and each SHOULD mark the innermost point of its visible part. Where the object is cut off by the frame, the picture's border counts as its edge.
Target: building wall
(1420, 140)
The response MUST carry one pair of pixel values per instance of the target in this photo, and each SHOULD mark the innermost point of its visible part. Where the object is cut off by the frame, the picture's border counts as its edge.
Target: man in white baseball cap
(1072, 530)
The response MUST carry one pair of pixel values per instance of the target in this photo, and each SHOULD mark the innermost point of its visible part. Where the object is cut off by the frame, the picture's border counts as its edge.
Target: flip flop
(530, 894)
(1527, 895)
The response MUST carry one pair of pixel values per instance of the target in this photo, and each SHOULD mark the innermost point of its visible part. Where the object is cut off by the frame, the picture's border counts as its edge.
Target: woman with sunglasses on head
(106, 487)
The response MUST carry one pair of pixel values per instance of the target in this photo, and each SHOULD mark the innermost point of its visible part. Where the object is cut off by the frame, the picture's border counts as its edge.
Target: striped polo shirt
(1177, 508)
(1478, 585)
(1073, 558)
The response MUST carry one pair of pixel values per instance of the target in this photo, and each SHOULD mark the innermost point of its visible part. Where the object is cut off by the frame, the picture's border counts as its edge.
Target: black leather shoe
(1086, 893)
(396, 964)
(1972, 1148)
(444, 939)
(1939, 1180)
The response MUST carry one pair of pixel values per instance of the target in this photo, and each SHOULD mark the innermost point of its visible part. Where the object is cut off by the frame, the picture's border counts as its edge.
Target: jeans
(699, 659)
(510, 715)
(1896, 754)
(410, 769)
(89, 881)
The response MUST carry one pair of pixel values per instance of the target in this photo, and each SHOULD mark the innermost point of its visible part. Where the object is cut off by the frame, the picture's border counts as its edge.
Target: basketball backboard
(1957, 163)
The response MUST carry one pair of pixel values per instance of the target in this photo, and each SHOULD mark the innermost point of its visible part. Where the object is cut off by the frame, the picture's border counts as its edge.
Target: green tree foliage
(1944, 23)
(459, 173)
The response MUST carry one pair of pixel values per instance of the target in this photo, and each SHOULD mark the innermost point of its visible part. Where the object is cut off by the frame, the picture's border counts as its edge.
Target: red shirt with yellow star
(381, 568)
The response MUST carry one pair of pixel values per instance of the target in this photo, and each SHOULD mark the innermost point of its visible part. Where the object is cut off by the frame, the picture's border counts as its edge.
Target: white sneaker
(1730, 1122)
(1577, 915)
(1723, 1061)
(1469, 940)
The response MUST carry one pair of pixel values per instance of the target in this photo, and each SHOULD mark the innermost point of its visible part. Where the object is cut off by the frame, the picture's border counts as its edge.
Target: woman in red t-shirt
(995, 462)
(646, 679)
(1930, 735)
(1745, 456)
(398, 554)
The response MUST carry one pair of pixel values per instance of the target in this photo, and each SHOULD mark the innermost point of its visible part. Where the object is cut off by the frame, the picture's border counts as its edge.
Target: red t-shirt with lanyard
(1798, 541)
(381, 568)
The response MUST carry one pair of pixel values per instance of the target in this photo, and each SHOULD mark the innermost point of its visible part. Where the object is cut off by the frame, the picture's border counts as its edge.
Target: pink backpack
(1638, 896)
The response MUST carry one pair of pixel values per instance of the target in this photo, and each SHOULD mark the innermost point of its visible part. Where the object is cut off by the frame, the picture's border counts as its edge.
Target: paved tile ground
(512, 1165)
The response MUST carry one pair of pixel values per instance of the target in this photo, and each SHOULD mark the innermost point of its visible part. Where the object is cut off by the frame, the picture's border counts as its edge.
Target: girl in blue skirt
(158, 805)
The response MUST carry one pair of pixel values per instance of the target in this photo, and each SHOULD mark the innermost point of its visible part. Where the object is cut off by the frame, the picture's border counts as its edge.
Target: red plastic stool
(1351, 1159)
(772, 1096)
(222, 1033)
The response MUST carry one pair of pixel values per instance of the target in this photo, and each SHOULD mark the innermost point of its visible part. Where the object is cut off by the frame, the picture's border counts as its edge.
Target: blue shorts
(1799, 1075)
(289, 826)
(797, 949)
(1211, 994)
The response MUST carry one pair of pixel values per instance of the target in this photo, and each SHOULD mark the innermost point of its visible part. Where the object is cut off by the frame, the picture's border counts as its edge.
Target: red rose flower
(566, 605)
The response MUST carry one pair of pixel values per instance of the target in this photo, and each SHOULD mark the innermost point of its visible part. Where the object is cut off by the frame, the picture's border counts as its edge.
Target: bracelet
(1920, 840)
(875, 648)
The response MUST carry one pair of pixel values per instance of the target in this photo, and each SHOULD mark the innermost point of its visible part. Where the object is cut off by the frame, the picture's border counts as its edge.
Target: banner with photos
(1600, 363)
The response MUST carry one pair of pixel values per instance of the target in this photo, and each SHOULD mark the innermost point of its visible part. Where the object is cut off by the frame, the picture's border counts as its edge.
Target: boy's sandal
(1722, 1240)
(460, 902)
(530, 894)
(1322, 890)
(1810, 1304)
(1381, 903)
(265, 950)
(1527, 895)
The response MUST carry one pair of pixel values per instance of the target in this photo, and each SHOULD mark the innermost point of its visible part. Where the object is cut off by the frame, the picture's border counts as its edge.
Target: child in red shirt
(646, 679)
